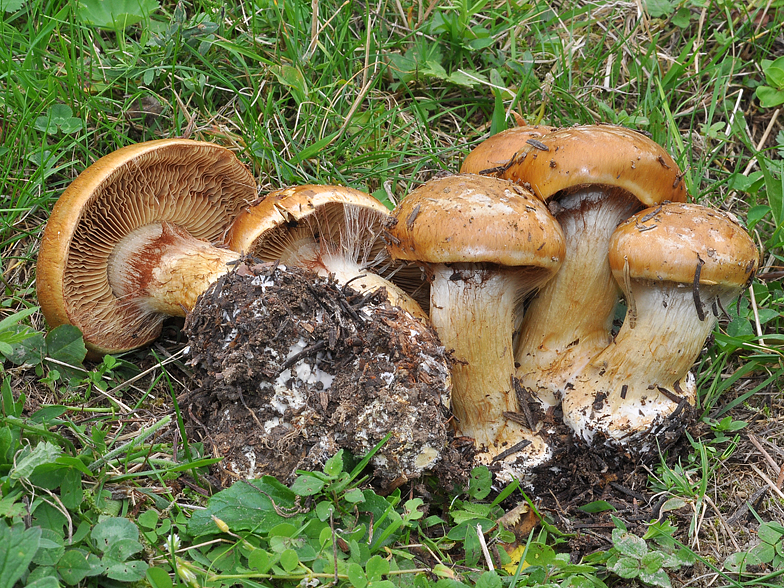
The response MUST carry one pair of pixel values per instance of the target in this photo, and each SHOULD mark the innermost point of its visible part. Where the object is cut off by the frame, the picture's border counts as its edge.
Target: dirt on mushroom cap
(293, 367)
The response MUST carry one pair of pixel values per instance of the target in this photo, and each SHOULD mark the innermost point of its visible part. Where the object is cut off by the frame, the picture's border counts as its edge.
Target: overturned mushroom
(330, 230)
(495, 155)
(128, 242)
(592, 177)
(294, 366)
(678, 266)
(486, 243)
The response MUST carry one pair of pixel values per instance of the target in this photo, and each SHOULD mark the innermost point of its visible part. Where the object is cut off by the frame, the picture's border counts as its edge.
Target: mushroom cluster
(517, 265)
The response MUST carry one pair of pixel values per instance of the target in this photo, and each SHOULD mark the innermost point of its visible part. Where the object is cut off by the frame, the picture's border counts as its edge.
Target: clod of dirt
(294, 367)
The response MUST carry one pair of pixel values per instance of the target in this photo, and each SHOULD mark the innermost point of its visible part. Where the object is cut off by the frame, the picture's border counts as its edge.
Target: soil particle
(293, 367)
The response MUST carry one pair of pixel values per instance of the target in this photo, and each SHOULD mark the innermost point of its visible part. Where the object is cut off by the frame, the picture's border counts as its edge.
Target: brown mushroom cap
(194, 185)
(493, 154)
(599, 154)
(474, 219)
(304, 225)
(670, 242)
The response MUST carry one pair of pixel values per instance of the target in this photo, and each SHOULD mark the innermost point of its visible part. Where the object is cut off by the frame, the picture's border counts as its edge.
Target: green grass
(381, 98)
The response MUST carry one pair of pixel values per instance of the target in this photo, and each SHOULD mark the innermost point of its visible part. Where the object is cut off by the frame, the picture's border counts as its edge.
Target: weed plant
(100, 485)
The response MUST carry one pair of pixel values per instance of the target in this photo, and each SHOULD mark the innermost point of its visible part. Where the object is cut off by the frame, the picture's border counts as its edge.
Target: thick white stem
(639, 379)
(569, 321)
(473, 312)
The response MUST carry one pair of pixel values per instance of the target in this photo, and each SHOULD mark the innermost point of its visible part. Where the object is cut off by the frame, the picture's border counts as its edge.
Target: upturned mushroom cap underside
(305, 225)
(197, 186)
(683, 243)
(598, 154)
(492, 155)
(471, 218)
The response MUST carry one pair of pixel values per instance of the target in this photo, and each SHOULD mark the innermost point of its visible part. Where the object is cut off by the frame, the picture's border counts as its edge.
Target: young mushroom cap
(166, 200)
(592, 178)
(492, 155)
(678, 265)
(486, 243)
(330, 230)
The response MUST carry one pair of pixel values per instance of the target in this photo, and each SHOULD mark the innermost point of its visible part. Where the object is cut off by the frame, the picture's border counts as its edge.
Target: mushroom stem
(162, 268)
(473, 310)
(581, 297)
(640, 378)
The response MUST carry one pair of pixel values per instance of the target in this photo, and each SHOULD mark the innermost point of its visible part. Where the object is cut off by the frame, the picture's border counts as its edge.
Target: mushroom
(486, 243)
(128, 242)
(294, 366)
(678, 265)
(329, 230)
(492, 156)
(592, 178)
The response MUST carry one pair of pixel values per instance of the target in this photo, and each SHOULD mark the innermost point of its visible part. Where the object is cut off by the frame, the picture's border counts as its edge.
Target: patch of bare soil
(293, 367)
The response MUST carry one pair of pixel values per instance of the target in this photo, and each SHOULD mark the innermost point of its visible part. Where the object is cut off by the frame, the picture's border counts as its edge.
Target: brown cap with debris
(599, 154)
(474, 219)
(494, 154)
(673, 242)
(196, 187)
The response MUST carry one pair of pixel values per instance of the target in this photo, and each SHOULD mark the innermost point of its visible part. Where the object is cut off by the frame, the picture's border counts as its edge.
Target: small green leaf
(626, 567)
(354, 496)
(259, 560)
(356, 575)
(77, 564)
(334, 465)
(50, 548)
(11, 5)
(115, 15)
(71, 489)
(289, 560)
(112, 530)
(769, 97)
(148, 519)
(659, 8)
(158, 578)
(65, 343)
(657, 578)
(597, 506)
(480, 483)
(376, 567)
(307, 485)
(121, 550)
(489, 580)
(539, 554)
(128, 571)
(43, 453)
(629, 544)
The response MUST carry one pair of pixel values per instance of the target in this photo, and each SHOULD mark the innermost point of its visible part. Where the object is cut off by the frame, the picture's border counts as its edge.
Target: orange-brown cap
(670, 242)
(599, 154)
(198, 186)
(473, 219)
(493, 154)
